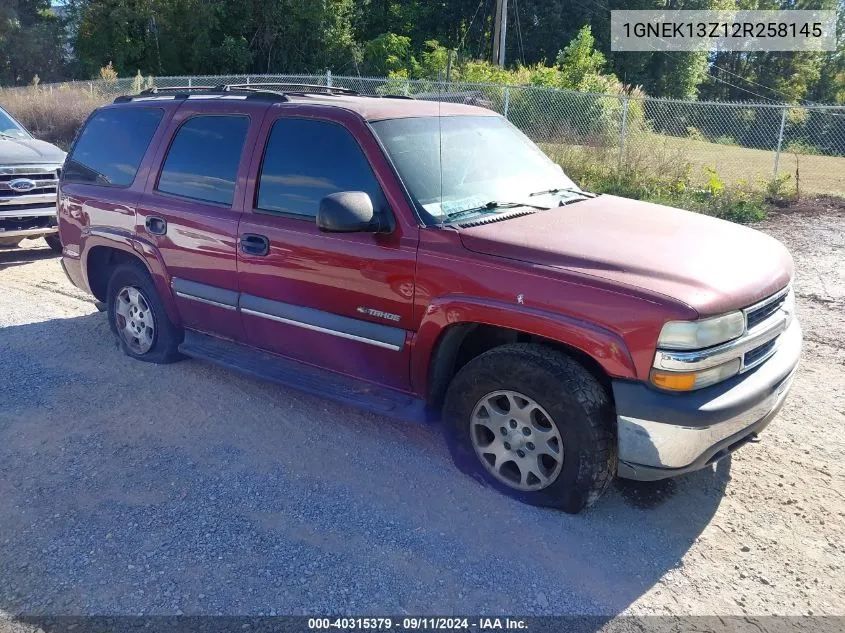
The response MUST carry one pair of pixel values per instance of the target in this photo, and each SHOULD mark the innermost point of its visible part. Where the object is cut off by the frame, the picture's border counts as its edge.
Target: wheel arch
(103, 253)
(458, 344)
(100, 261)
(446, 343)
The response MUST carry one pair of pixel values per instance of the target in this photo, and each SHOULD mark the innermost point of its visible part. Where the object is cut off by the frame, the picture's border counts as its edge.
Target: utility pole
(500, 30)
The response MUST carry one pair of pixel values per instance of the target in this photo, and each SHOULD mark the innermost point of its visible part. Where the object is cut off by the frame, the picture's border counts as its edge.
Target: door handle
(155, 225)
(253, 244)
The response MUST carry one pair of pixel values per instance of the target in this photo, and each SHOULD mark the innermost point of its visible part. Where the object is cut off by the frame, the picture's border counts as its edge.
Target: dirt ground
(128, 488)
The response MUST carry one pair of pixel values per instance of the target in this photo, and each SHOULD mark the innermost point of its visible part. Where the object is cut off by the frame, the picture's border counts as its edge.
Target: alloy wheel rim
(516, 440)
(135, 322)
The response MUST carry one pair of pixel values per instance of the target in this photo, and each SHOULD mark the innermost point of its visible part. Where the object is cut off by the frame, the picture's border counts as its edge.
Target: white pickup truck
(29, 175)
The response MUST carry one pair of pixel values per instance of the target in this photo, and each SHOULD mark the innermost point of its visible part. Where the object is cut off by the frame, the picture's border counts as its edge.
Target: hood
(712, 265)
(28, 151)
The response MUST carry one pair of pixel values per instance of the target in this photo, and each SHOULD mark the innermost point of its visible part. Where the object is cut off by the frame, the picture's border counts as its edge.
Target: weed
(656, 174)
(53, 113)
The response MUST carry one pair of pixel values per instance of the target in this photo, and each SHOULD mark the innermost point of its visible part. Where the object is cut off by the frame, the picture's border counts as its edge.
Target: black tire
(578, 406)
(166, 336)
(54, 242)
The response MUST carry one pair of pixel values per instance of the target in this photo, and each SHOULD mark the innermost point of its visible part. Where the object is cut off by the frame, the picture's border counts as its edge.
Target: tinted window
(110, 148)
(203, 159)
(306, 160)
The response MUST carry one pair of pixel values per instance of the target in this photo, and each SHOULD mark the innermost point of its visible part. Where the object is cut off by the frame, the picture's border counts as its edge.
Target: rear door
(104, 175)
(342, 301)
(192, 205)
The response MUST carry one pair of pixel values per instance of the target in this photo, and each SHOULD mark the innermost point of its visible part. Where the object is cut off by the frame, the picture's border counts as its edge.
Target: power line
(481, 54)
(725, 70)
(469, 27)
(606, 8)
(519, 32)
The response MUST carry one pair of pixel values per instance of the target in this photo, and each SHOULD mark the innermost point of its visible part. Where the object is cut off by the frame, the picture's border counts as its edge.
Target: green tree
(31, 42)
(388, 54)
(580, 62)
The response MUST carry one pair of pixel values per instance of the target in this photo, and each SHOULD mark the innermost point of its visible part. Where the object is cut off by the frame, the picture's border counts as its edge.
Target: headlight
(703, 333)
(690, 381)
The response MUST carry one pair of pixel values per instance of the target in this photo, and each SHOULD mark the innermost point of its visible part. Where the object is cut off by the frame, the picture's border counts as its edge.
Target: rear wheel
(54, 242)
(534, 424)
(138, 319)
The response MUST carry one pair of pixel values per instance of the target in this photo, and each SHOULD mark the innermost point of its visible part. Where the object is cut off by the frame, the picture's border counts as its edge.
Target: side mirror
(347, 212)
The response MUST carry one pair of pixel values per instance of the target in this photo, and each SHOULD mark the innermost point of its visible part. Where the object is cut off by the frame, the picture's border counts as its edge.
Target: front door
(341, 301)
(191, 208)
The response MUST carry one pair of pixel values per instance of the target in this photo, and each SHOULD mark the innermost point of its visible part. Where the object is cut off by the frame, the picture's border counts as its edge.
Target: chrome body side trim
(317, 328)
(204, 293)
(376, 334)
(317, 320)
(185, 295)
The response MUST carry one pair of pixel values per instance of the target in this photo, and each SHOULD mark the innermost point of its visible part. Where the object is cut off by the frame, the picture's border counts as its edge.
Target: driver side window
(306, 160)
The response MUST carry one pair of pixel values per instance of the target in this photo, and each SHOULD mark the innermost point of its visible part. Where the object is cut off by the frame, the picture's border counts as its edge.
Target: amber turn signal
(673, 381)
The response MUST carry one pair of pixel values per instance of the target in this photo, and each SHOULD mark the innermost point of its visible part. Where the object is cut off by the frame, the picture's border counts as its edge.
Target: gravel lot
(127, 488)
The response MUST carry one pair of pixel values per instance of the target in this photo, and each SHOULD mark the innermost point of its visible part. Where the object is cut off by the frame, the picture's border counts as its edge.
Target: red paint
(601, 276)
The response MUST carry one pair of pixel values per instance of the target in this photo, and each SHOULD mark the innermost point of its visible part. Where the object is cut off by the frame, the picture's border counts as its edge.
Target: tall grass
(656, 173)
(52, 113)
(649, 170)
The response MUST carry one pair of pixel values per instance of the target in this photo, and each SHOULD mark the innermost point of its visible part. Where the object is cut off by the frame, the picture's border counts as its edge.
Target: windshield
(10, 127)
(476, 164)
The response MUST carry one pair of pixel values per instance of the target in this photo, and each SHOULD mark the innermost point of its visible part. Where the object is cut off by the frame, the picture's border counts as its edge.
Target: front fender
(606, 347)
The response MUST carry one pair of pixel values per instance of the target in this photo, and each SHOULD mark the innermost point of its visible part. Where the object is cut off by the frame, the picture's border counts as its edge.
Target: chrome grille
(43, 180)
(765, 322)
(761, 314)
(757, 314)
(759, 354)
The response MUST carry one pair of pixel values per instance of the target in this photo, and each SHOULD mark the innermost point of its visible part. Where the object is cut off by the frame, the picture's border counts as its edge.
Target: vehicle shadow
(17, 256)
(130, 488)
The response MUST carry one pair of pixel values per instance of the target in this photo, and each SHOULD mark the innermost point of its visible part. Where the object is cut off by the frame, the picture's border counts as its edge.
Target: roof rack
(156, 90)
(271, 91)
(185, 92)
(290, 87)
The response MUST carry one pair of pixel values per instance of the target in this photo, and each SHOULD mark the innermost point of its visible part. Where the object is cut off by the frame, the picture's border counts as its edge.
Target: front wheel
(54, 242)
(138, 318)
(534, 424)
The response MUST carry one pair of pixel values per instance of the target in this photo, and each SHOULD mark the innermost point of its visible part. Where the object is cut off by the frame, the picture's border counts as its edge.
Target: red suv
(425, 259)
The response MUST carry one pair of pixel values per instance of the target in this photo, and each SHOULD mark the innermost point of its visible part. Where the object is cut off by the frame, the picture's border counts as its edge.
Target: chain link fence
(756, 144)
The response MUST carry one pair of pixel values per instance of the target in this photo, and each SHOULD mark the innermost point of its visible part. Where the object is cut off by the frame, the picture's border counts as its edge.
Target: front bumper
(28, 223)
(665, 434)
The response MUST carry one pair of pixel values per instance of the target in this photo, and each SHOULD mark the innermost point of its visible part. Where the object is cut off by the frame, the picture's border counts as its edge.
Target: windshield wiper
(490, 206)
(579, 192)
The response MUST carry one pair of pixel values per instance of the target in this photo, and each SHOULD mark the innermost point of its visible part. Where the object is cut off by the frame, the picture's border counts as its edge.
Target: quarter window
(306, 160)
(110, 148)
(203, 159)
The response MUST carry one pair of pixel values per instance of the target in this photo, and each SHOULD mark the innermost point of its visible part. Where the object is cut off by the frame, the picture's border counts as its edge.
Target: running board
(296, 375)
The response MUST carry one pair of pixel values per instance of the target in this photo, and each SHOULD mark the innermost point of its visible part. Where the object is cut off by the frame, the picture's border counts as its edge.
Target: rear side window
(203, 159)
(306, 160)
(110, 148)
